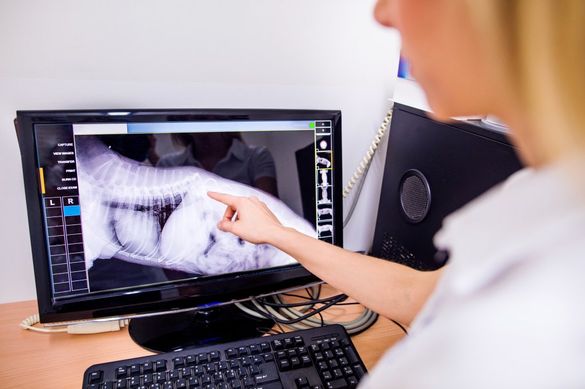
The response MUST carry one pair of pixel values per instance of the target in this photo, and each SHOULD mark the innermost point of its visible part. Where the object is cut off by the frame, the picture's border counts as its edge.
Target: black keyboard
(323, 358)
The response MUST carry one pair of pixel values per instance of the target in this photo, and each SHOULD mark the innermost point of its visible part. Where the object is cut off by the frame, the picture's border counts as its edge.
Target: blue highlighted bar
(71, 210)
(227, 126)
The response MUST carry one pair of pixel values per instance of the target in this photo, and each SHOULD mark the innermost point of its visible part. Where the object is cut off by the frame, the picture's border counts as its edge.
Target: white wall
(72, 54)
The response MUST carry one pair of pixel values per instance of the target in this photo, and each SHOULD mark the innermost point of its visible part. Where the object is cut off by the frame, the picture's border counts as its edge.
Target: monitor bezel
(179, 295)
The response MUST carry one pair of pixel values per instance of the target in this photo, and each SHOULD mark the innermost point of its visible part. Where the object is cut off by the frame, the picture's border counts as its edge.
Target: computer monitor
(121, 224)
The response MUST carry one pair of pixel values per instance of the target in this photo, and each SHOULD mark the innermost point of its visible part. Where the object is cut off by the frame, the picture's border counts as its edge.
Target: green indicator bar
(312, 125)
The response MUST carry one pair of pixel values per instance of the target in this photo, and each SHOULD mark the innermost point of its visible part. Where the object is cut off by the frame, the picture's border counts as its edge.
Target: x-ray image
(162, 217)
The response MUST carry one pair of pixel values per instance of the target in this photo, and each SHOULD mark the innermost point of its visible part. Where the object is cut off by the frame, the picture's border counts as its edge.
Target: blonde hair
(538, 46)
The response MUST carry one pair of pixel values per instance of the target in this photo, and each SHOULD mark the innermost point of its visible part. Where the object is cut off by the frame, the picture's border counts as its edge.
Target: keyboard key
(211, 368)
(306, 361)
(159, 377)
(265, 347)
(336, 384)
(295, 362)
(147, 379)
(236, 384)
(95, 376)
(134, 370)
(298, 341)
(351, 355)
(277, 344)
(347, 371)
(255, 349)
(272, 385)
(185, 372)
(283, 364)
(288, 343)
(160, 365)
(326, 375)
(178, 362)
(147, 367)
(214, 356)
(249, 382)
(359, 371)
(302, 382)
(121, 372)
(205, 379)
(352, 382)
(268, 373)
(202, 358)
(134, 382)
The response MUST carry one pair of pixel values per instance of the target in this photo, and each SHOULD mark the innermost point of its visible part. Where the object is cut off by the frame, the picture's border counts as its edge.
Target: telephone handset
(360, 173)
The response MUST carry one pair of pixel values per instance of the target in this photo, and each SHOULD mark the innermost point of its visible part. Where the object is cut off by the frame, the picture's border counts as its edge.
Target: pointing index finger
(223, 198)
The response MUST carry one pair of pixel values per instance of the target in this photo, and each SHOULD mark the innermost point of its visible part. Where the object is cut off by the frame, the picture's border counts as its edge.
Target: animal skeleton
(163, 217)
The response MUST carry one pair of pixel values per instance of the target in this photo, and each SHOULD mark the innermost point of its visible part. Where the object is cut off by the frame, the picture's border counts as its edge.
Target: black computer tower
(431, 170)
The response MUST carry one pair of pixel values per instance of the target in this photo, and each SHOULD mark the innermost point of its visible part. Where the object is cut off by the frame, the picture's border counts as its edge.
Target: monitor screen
(120, 220)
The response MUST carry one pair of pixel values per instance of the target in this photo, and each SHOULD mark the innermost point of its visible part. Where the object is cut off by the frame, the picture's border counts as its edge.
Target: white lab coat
(509, 311)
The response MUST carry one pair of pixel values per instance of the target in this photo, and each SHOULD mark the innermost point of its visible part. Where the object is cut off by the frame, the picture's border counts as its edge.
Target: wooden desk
(35, 360)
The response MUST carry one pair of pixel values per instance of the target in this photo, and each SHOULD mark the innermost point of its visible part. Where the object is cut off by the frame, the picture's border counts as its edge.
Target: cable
(361, 171)
(303, 315)
(88, 327)
(400, 325)
(30, 321)
(367, 159)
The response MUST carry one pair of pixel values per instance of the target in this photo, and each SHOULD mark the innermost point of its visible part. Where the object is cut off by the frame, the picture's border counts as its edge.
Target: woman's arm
(393, 290)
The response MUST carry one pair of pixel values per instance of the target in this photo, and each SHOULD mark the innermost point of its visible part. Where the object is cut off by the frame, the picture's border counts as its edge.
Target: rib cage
(163, 216)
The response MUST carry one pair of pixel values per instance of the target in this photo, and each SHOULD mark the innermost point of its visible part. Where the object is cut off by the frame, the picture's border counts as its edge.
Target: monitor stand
(177, 331)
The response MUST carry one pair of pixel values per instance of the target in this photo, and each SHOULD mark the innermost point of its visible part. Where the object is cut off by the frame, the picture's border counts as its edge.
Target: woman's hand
(248, 218)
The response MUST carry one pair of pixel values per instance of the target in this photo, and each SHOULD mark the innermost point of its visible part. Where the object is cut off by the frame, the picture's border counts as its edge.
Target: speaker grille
(415, 196)
(393, 250)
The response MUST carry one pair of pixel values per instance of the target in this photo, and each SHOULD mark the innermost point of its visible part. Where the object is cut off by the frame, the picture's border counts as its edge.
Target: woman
(507, 311)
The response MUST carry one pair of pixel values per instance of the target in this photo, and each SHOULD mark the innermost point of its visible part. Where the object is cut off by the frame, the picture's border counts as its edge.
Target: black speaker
(431, 170)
